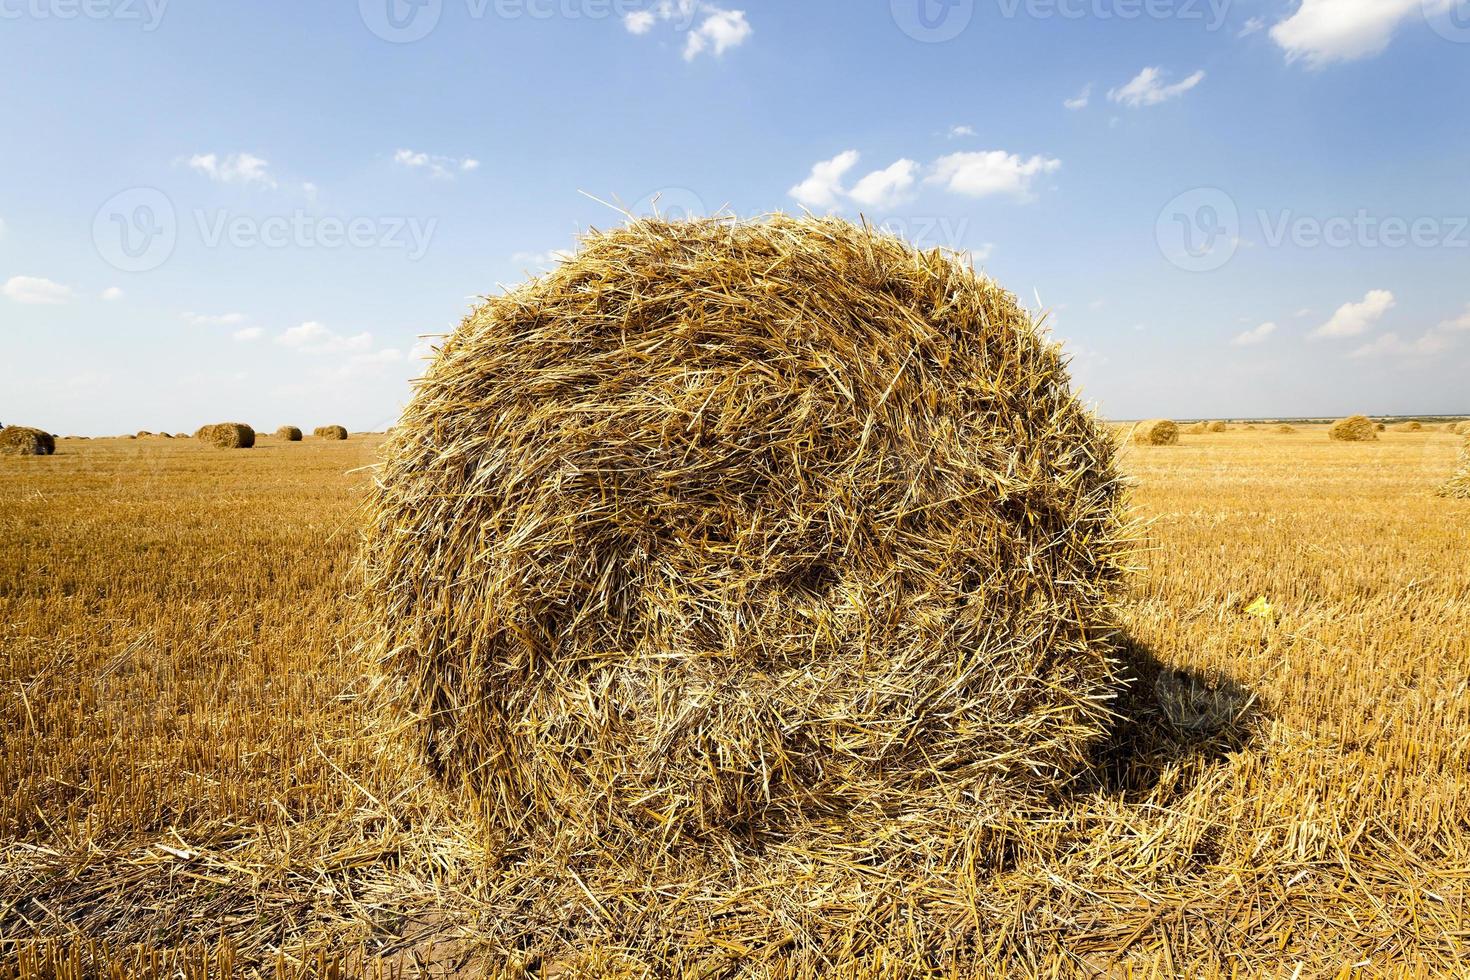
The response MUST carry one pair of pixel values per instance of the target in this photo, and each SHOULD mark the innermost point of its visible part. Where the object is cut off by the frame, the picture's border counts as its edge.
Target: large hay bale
(1156, 432)
(227, 435)
(20, 440)
(330, 432)
(289, 433)
(1217, 426)
(1458, 486)
(1354, 428)
(768, 565)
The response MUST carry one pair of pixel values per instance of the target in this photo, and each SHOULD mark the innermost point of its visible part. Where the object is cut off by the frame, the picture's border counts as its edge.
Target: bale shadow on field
(1167, 717)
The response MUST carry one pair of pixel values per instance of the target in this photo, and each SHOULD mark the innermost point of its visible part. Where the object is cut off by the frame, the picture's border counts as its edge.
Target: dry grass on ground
(192, 757)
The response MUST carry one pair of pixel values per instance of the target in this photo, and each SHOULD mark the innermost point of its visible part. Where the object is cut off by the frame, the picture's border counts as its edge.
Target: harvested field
(194, 757)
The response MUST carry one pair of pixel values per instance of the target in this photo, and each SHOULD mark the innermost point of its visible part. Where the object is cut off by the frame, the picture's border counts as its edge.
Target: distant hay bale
(766, 564)
(1462, 429)
(1354, 428)
(145, 434)
(289, 433)
(1284, 428)
(1408, 427)
(1156, 432)
(20, 440)
(1380, 427)
(330, 432)
(1194, 429)
(227, 435)
(1458, 486)
(1217, 426)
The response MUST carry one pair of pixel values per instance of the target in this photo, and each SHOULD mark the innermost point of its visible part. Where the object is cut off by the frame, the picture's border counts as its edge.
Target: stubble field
(195, 771)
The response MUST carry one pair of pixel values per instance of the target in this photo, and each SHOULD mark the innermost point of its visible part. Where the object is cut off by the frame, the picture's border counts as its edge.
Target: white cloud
(215, 319)
(438, 167)
(248, 334)
(886, 188)
(1392, 345)
(1252, 26)
(720, 31)
(1305, 311)
(823, 186)
(639, 21)
(955, 132)
(236, 168)
(111, 294)
(1255, 335)
(1082, 98)
(1324, 31)
(1443, 337)
(1148, 88)
(1354, 319)
(988, 172)
(314, 338)
(35, 291)
(2, 227)
(1458, 324)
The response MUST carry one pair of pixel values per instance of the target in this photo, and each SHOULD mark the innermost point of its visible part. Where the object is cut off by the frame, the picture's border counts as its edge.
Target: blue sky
(254, 212)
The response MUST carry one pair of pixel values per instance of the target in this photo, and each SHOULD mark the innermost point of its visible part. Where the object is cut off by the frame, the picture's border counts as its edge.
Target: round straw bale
(1458, 486)
(330, 432)
(773, 549)
(1193, 429)
(1354, 428)
(289, 433)
(227, 435)
(1408, 427)
(1285, 429)
(20, 440)
(1217, 426)
(145, 434)
(1156, 432)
